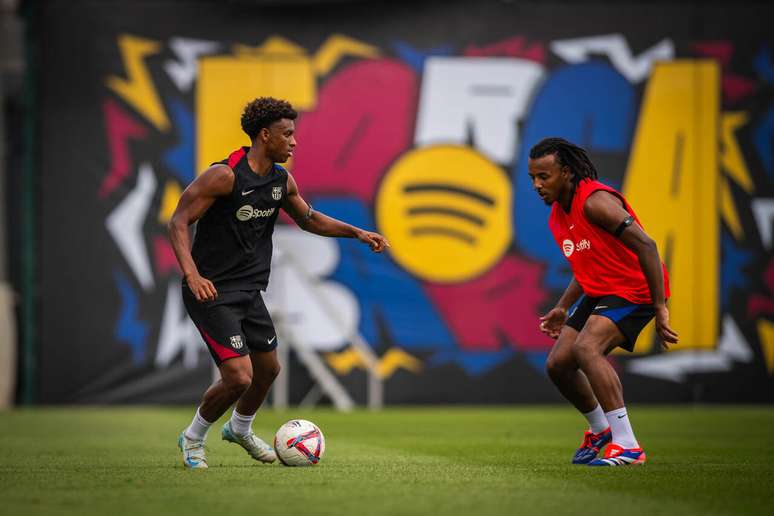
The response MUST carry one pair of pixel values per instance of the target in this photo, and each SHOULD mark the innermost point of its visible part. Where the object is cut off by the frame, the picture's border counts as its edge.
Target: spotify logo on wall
(446, 212)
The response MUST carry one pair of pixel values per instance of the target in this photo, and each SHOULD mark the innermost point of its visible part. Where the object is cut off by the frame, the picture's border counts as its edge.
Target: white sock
(621, 428)
(597, 420)
(240, 424)
(197, 430)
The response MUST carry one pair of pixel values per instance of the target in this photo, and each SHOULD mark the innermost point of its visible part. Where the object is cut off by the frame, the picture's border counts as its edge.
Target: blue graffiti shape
(763, 65)
(129, 328)
(733, 262)
(474, 363)
(763, 139)
(180, 159)
(393, 305)
(590, 104)
(537, 359)
(416, 58)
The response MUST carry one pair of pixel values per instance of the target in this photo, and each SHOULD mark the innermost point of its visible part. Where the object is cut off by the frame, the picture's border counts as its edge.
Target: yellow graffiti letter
(138, 89)
(672, 182)
(278, 68)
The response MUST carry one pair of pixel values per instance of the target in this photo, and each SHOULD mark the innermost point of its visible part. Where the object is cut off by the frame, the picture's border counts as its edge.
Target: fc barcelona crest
(276, 193)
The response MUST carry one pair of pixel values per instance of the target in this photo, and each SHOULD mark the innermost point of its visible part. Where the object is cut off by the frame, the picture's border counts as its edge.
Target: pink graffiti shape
(511, 47)
(735, 87)
(164, 256)
(504, 304)
(363, 121)
(759, 304)
(120, 128)
(720, 50)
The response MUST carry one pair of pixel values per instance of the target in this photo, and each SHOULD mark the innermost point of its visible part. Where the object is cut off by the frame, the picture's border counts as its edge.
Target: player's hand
(202, 288)
(551, 323)
(375, 241)
(667, 334)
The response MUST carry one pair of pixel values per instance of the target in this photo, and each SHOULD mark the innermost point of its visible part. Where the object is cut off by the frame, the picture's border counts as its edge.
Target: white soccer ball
(299, 443)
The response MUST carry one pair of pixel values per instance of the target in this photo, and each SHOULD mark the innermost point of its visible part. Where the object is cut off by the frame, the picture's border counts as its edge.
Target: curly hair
(264, 111)
(567, 154)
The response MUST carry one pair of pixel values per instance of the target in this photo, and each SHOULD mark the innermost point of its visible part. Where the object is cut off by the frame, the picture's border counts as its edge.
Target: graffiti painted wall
(415, 121)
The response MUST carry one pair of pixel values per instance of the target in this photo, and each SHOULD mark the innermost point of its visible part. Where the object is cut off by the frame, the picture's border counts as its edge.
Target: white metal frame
(326, 382)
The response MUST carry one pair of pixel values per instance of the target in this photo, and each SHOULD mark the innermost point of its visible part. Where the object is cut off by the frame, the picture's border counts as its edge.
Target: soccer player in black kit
(236, 203)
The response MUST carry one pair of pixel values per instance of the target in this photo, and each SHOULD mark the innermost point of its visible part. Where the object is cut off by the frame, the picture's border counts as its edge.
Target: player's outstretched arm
(215, 182)
(551, 323)
(605, 210)
(320, 224)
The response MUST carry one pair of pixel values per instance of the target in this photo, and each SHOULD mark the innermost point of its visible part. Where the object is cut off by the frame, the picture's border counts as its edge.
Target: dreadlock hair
(264, 111)
(567, 154)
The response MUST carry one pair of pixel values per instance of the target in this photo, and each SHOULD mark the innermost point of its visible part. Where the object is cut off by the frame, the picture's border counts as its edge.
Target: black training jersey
(232, 247)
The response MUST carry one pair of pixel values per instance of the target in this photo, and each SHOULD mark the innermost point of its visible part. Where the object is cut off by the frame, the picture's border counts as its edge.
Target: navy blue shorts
(234, 324)
(630, 318)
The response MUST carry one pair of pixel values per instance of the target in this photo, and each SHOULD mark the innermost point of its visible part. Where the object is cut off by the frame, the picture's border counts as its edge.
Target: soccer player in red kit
(619, 284)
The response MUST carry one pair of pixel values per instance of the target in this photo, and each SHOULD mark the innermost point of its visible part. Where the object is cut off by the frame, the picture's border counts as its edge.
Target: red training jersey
(600, 262)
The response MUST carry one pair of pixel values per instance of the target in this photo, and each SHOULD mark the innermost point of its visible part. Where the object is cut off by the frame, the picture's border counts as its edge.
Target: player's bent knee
(553, 368)
(557, 367)
(267, 373)
(585, 349)
(238, 382)
(264, 370)
(274, 371)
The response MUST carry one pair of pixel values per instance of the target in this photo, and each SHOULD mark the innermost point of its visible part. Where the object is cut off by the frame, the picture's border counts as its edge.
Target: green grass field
(116, 461)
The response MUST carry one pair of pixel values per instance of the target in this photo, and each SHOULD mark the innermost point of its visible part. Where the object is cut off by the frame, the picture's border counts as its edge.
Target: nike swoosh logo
(271, 340)
(600, 307)
(247, 192)
(622, 416)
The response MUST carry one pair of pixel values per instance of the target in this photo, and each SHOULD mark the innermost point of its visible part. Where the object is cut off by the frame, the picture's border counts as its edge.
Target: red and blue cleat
(615, 455)
(592, 443)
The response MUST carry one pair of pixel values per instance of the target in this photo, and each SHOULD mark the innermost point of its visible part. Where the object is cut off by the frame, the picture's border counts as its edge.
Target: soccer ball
(299, 443)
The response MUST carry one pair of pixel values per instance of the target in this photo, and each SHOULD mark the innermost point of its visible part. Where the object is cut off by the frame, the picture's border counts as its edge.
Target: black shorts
(234, 324)
(630, 317)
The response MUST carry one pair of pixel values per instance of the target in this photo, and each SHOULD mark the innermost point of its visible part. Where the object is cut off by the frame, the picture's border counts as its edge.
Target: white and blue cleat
(254, 446)
(615, 455)
(193, 452)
